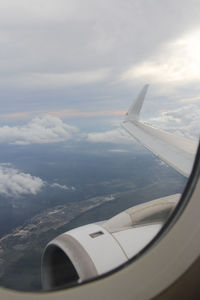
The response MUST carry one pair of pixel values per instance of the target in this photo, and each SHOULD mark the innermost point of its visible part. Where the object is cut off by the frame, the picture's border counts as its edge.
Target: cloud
(191, 99)
(64, 113)
(16, 116)
(71, 53)
(177, 63)
(55, 80)
(183, 121)
(112, 136)
(16, 183)
(40, 130)
(63, 187)
(84, 114)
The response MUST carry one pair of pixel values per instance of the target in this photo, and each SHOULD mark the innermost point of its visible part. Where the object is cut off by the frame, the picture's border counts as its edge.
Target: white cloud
(177, 63)
(63, 187)
(16, 183)
(184, 121)
(113, 136)
(46, 129)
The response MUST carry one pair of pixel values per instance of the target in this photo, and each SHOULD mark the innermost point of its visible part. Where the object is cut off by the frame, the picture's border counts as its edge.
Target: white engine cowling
(92, 250)
(80, 254)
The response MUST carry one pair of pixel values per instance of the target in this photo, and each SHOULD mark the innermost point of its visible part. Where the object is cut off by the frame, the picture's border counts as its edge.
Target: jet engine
(95, 249)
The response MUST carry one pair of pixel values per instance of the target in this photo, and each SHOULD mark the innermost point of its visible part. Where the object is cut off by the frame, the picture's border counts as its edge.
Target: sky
(93, 56)
(69, 70)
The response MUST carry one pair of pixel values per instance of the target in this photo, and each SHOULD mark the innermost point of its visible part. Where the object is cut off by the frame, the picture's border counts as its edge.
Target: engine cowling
(80, 254)
(92, 250)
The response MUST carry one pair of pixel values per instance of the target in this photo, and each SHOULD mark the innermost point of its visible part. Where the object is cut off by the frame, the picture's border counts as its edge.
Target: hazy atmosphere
(69, 70)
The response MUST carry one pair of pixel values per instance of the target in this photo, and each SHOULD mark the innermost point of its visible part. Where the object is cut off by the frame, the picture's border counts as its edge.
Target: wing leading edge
(177, 152)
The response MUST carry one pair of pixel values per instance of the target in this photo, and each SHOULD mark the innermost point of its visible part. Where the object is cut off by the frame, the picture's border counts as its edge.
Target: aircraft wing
(176, 151)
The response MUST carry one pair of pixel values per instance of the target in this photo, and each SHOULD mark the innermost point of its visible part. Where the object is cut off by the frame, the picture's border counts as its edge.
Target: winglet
(134, 110)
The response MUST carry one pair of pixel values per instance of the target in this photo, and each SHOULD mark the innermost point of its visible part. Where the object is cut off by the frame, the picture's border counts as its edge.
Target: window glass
(70, 70)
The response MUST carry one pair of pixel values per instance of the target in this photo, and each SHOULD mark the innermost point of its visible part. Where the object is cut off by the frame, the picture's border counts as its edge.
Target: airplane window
(93, 159)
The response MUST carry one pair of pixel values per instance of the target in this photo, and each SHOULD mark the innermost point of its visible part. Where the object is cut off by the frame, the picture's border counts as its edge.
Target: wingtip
(134, 111)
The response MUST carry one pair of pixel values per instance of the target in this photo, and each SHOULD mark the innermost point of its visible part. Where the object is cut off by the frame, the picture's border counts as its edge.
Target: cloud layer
(112, 136)
(55, 80)
(177, 63)
(77, 51)
(40, 130)
(16, 183)
(184, 121)
(69, 57)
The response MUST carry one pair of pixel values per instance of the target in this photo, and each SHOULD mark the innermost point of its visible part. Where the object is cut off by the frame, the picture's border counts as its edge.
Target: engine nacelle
(80, 254)
(92, 250)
